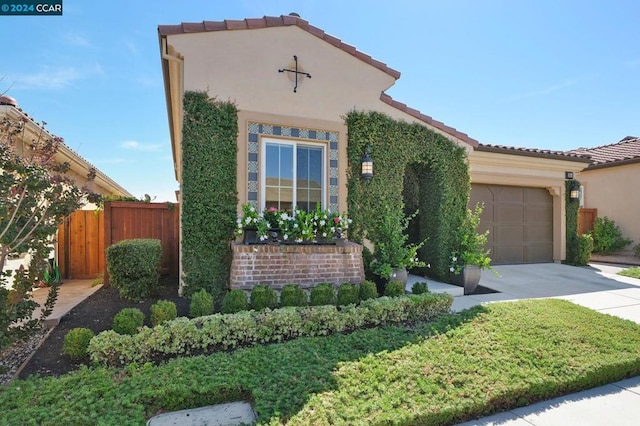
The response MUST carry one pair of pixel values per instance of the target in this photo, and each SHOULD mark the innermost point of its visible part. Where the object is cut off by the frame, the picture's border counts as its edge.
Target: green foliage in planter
(415, 169)
(163, 310)
(183, 336)
(607, 236)
(367, 290)
(128, 321)
(76, 342)
(201, 304)
(209, 151)
(420, 288)
(394, 289)
(262, 297)
(322, 294)
(631, 272)
(134, 267)
(347, 294)
(234, 301)
(585, 247)
(293, 295)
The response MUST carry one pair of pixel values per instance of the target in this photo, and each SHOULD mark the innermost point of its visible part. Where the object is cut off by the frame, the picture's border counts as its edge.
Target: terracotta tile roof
(534, 152)
(624, 152)
(273, 21)
(423, 117)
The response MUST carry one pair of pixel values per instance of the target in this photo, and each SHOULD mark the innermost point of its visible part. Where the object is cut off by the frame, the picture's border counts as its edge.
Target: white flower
(247, 220)
(295, 225)
(455, 259)
(285, 237)
(284, 216)
(322, 222)
(452, 269)
(324, 234)
(428, 265)
(252, 209)
(263, 237)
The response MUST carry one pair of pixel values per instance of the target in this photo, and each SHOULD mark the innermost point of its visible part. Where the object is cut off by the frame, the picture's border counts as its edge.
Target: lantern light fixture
(366, 165)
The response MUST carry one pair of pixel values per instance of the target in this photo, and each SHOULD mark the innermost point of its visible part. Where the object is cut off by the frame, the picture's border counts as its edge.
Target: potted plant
(393, 255)
(470, 256)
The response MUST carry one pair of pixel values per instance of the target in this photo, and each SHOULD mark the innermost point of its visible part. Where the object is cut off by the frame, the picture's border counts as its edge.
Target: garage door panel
(509, 214)
(538, 214)
(509, 194)
(537, 253)
(509, 235)
(504, 255)
(520, 220)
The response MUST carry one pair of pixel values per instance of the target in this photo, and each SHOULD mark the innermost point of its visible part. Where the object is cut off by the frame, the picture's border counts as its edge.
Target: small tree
(35, 195)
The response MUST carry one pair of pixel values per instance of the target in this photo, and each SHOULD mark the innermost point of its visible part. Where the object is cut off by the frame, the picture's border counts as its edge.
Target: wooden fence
(586, 220)
(85, 235)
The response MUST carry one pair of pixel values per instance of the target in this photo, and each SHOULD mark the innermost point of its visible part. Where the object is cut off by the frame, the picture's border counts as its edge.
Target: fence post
(107, 239)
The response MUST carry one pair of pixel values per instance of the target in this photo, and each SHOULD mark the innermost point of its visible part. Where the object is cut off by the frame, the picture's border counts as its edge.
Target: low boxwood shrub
(293, 295)
(163, 310)
(420, 288)
(585, 247)
(134, 267)
(262, 297)
(394, 289)
(201, 304)
(128, 321)
(223, 332)
(234, 301)
(322, 294)
(76, 342)
(347, 294)
(368, 290)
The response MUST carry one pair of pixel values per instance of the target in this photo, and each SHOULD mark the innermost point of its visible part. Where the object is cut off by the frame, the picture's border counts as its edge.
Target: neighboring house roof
(627, 151)
(293, 20)
(9, 107)
(534, 152)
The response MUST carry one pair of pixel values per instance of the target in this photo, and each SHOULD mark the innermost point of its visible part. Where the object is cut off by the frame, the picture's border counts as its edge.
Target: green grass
(484, 360)
(631, 272)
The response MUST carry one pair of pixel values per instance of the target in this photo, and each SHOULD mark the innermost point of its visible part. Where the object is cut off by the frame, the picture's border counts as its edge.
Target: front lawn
(472, 364)
(631, 272)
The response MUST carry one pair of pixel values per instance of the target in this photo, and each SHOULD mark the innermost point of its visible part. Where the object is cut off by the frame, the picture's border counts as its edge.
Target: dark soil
(95, 313)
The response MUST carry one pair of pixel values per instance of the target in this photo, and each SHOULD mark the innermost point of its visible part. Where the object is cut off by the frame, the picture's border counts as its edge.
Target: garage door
(519, 220)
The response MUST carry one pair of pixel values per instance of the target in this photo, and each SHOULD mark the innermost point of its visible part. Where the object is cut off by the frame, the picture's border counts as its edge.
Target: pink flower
(336, 220)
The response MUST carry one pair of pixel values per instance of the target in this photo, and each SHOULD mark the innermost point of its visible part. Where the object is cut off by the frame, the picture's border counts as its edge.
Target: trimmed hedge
(263, 297)
(76, 342)
(209, 151)
(347, 294)
(201, 304)
(128, 321)
(323, 294)
(234, 301)
(134, 267)
(293, 295)
(162, 311)
(183, 336)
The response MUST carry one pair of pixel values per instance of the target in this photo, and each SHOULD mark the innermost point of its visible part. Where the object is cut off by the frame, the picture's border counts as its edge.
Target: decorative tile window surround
(256, 129)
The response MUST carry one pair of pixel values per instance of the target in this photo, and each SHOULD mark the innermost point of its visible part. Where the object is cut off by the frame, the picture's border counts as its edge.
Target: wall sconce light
(366, 165)
(574, 191)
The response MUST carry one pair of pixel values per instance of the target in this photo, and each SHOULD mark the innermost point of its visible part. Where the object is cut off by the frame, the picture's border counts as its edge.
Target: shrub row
(183, 336)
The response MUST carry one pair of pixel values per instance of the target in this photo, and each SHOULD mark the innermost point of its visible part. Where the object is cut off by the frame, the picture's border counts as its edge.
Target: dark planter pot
(468, 278)
(250, 236)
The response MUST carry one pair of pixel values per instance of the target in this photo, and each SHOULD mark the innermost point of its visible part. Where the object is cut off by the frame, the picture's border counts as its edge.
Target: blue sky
(551, 74)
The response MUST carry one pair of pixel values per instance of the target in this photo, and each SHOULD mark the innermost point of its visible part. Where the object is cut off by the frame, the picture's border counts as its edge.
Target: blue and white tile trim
(257, 129)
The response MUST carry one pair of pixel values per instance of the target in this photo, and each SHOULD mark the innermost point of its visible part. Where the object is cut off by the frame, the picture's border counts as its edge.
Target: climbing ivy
(209, 194)
(414, 168)
(572, 208)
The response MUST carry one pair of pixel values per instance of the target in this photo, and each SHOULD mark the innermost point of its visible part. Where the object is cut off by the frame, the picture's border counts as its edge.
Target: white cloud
(77, 40)
(138, 146)
(55, 77)
(544, 91)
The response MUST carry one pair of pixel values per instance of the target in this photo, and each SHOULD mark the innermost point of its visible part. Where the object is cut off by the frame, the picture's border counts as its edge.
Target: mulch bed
(95, 313)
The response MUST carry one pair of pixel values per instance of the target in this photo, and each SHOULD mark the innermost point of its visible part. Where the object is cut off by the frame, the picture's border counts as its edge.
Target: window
(293, 174)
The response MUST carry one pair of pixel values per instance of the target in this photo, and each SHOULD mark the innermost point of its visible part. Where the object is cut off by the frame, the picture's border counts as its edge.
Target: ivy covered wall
(572, 209)
(414, 168)
(209, 194)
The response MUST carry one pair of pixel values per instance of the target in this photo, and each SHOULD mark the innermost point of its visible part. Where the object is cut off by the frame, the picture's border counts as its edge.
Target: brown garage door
(519, 220)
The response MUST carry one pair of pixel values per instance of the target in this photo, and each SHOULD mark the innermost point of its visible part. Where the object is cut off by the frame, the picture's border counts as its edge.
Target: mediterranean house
(293, 83)
(79, 167)
(610, 184)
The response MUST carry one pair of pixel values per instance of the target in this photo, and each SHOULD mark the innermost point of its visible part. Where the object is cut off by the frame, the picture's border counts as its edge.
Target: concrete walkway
(597, 287)
(70, 294)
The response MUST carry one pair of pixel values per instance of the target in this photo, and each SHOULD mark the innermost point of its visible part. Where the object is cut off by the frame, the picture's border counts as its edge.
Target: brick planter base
(306, 265)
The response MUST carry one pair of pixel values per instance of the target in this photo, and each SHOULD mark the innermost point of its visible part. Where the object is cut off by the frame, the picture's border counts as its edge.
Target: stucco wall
(614, 192)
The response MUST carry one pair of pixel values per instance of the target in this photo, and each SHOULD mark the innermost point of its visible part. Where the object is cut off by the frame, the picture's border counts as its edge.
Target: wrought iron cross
(295, 73)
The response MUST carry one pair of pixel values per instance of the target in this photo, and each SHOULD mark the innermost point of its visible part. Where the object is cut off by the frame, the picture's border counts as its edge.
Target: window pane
(278, 175)
(309, 177)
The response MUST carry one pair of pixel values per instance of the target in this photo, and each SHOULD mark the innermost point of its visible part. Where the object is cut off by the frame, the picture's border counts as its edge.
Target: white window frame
(295, 143)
